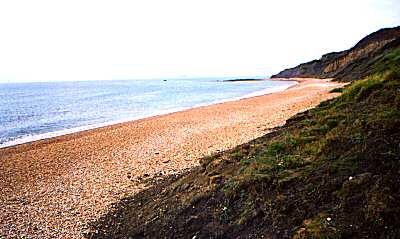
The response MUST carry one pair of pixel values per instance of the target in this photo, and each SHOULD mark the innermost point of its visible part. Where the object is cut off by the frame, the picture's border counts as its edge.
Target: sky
(104, 40)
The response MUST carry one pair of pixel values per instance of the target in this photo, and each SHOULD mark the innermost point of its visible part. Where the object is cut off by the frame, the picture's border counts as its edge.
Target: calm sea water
(32, 111)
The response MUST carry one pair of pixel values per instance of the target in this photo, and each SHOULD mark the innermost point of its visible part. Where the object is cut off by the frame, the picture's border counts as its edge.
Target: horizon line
(139, 78)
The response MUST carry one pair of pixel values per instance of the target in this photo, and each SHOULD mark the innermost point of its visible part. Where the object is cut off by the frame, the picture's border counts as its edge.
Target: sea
(34, 111)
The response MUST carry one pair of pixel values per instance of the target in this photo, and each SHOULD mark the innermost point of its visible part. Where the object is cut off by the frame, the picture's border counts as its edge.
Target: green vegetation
(344, 150)
(386, 62)
(330, 172)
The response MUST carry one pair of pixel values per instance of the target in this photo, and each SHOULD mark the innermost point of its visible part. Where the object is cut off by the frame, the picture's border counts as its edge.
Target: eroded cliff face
(337, 64)
(343, 61)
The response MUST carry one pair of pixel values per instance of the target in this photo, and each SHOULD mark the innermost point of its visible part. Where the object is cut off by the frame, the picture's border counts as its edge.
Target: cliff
(349, 64)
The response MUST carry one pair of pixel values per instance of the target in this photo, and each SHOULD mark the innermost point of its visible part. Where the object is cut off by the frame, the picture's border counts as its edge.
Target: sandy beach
(52, 188)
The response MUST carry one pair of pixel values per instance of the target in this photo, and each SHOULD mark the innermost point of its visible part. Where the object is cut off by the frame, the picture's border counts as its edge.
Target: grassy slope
(331, 172)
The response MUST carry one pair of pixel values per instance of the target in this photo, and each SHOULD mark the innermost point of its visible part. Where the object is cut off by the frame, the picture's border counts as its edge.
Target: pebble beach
(53, 187)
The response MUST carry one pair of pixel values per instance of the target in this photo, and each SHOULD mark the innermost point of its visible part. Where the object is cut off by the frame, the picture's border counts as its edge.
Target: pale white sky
(99, 40)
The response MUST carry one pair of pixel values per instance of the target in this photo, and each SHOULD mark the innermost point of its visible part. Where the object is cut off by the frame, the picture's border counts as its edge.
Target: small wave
(31, 138)
(254, 94)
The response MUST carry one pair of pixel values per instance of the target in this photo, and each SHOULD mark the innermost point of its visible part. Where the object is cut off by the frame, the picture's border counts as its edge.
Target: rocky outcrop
(340, 65)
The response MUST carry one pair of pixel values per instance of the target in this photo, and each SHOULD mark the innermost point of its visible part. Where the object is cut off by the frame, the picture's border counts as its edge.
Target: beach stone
(92, 166)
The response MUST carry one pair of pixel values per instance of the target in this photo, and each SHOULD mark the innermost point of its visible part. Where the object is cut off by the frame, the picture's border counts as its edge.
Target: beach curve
(51, 188)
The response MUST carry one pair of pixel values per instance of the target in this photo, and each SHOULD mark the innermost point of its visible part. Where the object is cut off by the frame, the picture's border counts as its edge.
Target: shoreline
(60, 184)
(76, 130)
